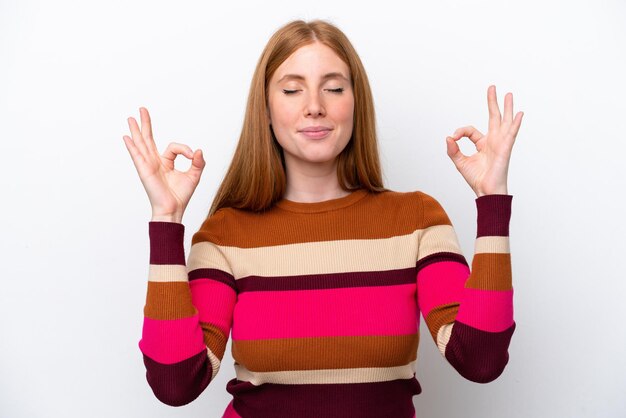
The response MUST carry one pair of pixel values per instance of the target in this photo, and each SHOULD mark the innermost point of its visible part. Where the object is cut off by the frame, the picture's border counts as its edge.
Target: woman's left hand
(486, 170)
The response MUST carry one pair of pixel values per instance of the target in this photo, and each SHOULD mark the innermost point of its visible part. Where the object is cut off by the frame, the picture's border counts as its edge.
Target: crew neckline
(323, 206)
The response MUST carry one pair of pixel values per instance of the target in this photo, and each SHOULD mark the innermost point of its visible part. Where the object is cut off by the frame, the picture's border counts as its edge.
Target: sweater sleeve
(469, 314)
(188, 311)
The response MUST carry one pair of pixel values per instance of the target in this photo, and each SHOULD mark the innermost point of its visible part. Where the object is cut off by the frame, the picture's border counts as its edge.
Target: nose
(314, 106)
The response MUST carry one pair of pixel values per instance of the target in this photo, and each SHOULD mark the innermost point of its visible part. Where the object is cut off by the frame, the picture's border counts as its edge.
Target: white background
(75, 216)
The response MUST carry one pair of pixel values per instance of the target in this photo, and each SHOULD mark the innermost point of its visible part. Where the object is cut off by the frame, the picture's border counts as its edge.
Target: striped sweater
(323, 300)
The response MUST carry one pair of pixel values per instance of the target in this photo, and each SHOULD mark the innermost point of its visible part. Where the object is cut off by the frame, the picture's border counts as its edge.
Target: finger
(134, 152)
(174, 149)
(454, 152)
(508, 109)
(494, 111)
(469, 132)
(137, 137)
(515, 126)
(146, 123)
(146, 129)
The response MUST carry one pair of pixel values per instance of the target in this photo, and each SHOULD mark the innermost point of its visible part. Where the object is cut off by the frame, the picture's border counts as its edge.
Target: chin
(317, 159)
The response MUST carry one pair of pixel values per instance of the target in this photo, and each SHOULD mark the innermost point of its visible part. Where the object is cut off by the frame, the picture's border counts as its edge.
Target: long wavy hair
(256, 177)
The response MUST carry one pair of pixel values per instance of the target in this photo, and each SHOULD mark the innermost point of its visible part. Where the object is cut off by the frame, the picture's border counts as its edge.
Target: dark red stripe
(364, 400)
(479, 356)
(213, 274)
(437, 257)
(179, 383)
(328, 281)
(494, 215)
(166, 242)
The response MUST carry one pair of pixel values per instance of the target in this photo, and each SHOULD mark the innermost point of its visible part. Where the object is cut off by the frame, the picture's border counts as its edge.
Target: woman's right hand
(169, 190)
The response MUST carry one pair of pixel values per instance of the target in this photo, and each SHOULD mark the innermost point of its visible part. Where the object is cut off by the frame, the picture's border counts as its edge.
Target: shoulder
(431, 211)
(211, 228)
(409, 199)
(230, 226)
(415, 198)
(425, 208)
(389, 205)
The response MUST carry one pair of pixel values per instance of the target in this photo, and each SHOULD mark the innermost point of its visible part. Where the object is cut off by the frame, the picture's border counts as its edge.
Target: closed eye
(338, 90)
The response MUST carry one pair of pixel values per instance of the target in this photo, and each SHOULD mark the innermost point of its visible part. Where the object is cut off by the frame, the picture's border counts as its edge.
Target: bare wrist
(499, 190)
(167, 218)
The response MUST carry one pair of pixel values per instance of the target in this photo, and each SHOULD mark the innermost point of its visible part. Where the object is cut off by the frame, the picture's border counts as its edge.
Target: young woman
(317, 270)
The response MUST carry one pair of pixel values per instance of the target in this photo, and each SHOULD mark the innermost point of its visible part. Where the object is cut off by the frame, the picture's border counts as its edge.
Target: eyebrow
(325, 77)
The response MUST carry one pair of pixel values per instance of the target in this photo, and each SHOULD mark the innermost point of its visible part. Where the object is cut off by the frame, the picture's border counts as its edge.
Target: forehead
(314, 61)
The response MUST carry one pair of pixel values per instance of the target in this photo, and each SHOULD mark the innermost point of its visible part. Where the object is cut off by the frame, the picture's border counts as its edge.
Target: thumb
(454, 152)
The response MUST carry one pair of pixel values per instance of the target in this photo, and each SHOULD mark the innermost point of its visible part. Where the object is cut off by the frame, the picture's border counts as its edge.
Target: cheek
(281, 115)
(345, 112)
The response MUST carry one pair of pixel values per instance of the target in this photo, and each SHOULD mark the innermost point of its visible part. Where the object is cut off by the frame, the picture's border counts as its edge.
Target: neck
(308, 184)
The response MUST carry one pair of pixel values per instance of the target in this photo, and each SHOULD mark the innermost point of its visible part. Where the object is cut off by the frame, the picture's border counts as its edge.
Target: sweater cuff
(166, 242)
(494, 215)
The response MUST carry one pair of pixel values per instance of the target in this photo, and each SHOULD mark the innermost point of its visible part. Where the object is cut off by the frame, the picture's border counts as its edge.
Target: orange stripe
(374, 216)
(326, 352)
(214, 339)
(440, 316)
(168, 300)
(491, 271)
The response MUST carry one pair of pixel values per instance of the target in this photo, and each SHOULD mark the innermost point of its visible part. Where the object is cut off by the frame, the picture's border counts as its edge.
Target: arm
(469, 315)
(188, 312)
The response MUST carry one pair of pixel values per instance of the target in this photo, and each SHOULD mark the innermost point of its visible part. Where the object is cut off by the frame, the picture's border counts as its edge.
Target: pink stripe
(230, 411)
(171, 341)
(440, 283)
(487, 310)
(326, 312)
(215, 302)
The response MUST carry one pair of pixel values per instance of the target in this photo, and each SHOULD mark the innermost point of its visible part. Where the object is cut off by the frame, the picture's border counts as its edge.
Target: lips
(316, 132)
(315, 129)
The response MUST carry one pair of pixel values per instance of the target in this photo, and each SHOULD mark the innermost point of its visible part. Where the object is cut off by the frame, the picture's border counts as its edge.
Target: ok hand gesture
(169, 190)
(486, 170)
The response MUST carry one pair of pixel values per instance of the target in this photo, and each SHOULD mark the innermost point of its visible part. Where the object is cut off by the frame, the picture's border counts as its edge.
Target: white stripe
(167, 273)
(325, 257)
(300, 377)
(309, 258)
(443, 337)
(215, 363)
(492, 244)
(439, 238)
